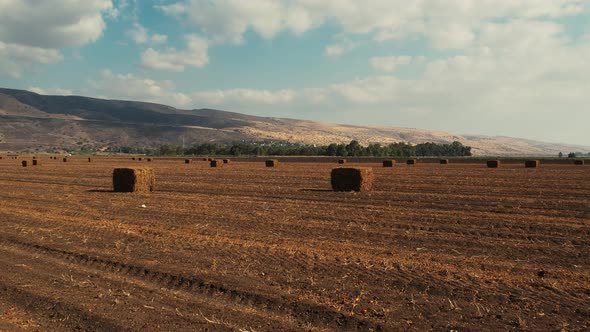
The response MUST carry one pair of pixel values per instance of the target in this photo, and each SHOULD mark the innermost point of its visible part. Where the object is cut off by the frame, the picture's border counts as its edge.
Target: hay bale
(65, 160)
(89, 159)
(149, 159)
(36, 162)
(493, 163)
(411, 161)
(352, 179)
(34, 157)
(532, 163)
(226, 161)
(216, 163)
(133, 158)
(140, 159)
(579, 162)
(388, 163)
(209, 159)
(444, 161)
(24, 163)
(188, 161)
(342, 161)
(135, 179)
(271, 163)
(205, 159)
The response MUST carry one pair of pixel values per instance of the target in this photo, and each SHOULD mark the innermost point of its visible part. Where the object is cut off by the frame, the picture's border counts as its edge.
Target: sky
(517, 68)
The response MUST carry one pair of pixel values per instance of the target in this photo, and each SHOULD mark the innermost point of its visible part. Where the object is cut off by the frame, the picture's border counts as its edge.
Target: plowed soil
(249, 248)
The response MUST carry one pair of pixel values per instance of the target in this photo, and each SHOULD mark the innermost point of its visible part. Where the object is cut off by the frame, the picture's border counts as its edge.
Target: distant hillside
(32, 121)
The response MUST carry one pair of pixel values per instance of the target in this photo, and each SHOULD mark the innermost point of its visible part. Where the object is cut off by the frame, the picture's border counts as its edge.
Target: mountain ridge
(39, 122)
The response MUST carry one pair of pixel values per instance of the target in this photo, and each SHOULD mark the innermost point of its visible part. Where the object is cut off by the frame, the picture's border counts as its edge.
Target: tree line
(352, 149)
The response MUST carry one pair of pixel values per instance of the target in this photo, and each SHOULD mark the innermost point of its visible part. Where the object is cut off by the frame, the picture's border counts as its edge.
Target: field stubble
(247, 247)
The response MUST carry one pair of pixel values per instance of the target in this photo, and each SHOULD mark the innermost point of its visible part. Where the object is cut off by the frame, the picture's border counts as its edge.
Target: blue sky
(494, 67)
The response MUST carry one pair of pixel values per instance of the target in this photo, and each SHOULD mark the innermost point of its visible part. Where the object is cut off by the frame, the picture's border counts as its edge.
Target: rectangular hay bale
(579, 162)
(135, 179)
(352, 179)
(188, 161)
(532, 163)
(36, 162)
(271, 163)
(493, 163)
(444, 161)
(24, 163)
(226, 161)
(216, 163)
(342, 161)
(411, 161)
(388, 163)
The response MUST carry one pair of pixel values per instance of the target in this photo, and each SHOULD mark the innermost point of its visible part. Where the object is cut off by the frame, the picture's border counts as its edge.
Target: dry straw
(135, 179)
(493, 163)
(411, 161)
(216, 163)
(388, 163)
(532, 163)
(352, 179)
(271, 163)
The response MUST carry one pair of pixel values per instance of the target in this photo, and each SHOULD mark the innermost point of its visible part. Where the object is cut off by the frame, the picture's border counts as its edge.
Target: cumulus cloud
(34, 31)
(447, 24)
(51, 91)
(14, 56)
(389, 63)
(171, 59)
(131, 87)
(140, 35)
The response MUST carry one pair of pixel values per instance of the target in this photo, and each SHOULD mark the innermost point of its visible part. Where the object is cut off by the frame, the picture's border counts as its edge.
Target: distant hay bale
(411, 161)
(388, 163)
(532, 163)
(135, 179)
(579, 162)
(226, 161)
(187, 161)
(205, 159)
(149, 159)
(24, 163)
(65, 160)
(133, 158)
(140, 159)
(216, 163)
(444, 161)
(342, 161)
(493, 163)
(352, 179)
(36, 162)
(89, 159)
(271, 163)
(34, 157)
(209, 159)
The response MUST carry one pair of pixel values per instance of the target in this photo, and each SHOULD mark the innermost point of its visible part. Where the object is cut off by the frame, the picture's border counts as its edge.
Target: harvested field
(460, 247)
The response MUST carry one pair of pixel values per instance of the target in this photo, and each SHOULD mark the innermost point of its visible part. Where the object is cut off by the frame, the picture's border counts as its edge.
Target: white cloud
(13, 57)
(243, 96)
(339, 48)
(51, 91)
(389, 63)
(34, 31)
(140, 35)
(131, 87)
(171, 59)
(447, 24)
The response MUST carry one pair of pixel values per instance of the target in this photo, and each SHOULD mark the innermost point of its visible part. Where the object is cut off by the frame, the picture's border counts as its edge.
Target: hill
(38, 122)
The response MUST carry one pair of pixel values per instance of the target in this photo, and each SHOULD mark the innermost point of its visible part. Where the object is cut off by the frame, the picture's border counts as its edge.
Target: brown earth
(249, 248)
